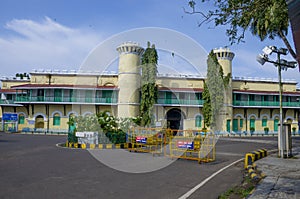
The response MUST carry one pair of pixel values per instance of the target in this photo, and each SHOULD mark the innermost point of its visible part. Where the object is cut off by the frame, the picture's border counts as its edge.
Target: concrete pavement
(282, 177)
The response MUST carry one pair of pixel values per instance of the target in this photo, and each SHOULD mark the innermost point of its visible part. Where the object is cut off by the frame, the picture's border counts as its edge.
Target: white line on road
(190, 192)
(251, 140)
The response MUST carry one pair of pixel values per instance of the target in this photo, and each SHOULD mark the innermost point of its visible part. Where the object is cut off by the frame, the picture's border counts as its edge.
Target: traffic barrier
(251, 167)
(98, 146)
(148, 140)
(251, 157)
(191, 145)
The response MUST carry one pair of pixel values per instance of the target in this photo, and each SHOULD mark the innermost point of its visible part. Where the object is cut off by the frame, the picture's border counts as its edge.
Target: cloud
(46, 45)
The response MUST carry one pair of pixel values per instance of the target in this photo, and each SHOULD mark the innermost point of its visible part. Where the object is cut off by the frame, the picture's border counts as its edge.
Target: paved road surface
(31, 166)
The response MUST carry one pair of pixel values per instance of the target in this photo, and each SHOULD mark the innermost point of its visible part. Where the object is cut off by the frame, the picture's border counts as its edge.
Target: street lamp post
(280, 64)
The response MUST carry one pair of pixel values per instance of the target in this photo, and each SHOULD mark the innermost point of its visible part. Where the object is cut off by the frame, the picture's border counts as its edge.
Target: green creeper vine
(214, 88)
(149, 88)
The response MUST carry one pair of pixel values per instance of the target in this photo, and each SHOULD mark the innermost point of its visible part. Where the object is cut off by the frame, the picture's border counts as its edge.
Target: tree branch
(287, 44)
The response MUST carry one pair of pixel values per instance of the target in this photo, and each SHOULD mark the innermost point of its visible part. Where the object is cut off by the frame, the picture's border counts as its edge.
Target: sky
(62, 34)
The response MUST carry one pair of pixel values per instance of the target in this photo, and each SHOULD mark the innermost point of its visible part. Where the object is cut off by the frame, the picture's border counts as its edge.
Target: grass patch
(240, 191)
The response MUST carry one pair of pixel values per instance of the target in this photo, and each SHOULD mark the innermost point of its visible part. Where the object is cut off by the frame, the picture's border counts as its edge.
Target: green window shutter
(276, 125)
(235, 125)
(107, 93)
(56, 120)
(241, 123)
(252, 123)
(228, 125)
(264, 122)
(57, 95)
(21, 119)
(198, 121)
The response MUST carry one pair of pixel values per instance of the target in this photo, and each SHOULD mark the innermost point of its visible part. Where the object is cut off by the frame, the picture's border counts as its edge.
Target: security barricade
(149, 140)
(191, 145)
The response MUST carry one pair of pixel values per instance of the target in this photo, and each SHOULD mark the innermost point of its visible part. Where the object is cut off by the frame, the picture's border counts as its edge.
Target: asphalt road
(31, 166)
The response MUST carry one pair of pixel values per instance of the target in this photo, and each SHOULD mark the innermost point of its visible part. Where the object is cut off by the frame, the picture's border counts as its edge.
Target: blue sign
(185, 144)
(10, 117)
(140, 139)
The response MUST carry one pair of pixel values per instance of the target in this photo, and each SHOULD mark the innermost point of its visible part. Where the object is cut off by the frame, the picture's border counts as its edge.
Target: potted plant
(252, 129)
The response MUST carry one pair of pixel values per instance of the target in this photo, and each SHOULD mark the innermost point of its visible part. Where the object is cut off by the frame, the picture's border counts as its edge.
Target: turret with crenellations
(129, 79)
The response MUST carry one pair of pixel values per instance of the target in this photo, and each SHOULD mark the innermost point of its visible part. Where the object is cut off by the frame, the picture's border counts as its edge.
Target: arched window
(198, 121)
(56, 119)
(21, 119)
(276, 121)
(264, 121)
(252, 123)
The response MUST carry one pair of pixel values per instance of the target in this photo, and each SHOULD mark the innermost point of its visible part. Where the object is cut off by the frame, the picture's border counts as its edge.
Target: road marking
(229, 154)
(190, 192)
(250, 140)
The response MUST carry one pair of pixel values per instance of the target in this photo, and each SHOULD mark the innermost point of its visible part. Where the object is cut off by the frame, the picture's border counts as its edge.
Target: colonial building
(49, 98)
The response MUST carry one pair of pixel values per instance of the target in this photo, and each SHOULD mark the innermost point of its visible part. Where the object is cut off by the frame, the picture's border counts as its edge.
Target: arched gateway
(175, 119)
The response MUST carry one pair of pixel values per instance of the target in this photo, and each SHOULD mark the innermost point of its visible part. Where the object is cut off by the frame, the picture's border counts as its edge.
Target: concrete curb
(251, 167)
(96, 146)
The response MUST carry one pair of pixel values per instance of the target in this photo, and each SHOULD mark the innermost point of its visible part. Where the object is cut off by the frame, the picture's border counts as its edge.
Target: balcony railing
(67, 99)
(180, 101)
(4, 101)
(265, 103)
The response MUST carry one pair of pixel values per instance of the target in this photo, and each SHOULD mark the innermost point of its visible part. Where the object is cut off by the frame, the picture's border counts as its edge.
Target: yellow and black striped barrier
(96, 146)
(253, 156)
(251, 167)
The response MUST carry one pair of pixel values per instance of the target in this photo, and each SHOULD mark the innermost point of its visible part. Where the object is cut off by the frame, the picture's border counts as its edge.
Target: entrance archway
(39, 122)
(175, 119)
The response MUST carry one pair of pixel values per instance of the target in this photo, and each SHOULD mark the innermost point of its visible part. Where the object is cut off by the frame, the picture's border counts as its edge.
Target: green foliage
(240, 191)
(106, 122)
(87, 123)
(22, 75)
(214, 88)
(72, 130)
(149, 88)
(264, 19)
(206, 106)
(116, 136)
(109, 128)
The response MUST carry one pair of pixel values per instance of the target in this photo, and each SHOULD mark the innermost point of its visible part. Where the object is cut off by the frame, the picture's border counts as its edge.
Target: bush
(72, 137)
(266, 129)
(116, 136)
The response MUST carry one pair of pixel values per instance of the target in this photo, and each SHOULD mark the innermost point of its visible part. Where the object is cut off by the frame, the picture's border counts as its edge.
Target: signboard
(10, 117)
(85, 134)
(140, 139)
(158, 124)
(87, 137)
(185, 144)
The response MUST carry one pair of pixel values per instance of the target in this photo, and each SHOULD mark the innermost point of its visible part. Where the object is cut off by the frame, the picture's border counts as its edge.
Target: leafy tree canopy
(263, 18)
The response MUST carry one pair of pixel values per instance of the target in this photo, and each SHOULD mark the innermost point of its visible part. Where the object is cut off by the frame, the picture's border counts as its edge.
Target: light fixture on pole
(281, 64)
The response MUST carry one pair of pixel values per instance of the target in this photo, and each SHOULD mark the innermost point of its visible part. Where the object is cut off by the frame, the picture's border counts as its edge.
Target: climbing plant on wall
(214, 90)
(149, 87)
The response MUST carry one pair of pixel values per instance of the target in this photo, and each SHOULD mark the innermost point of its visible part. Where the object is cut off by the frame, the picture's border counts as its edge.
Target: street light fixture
(281, 64)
